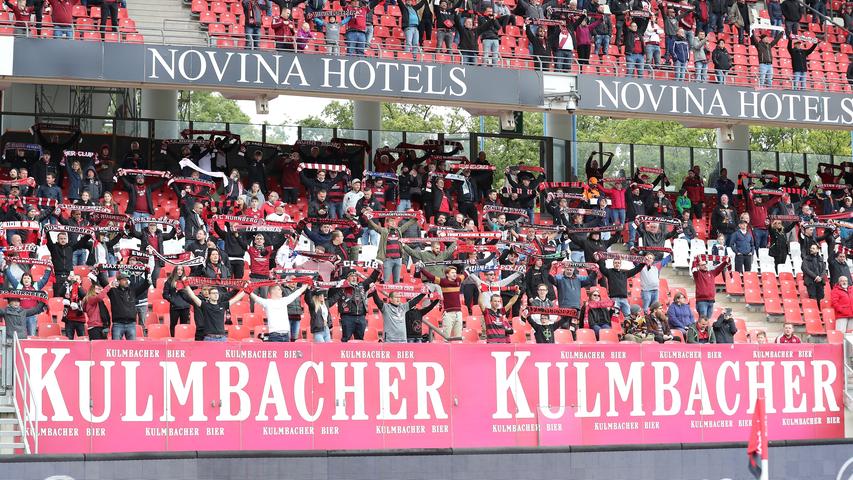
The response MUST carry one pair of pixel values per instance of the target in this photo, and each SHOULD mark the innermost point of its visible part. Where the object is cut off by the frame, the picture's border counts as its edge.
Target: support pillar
(561, 127)
(368, 116)
(734, 144)
(162, 106)
(18, 97)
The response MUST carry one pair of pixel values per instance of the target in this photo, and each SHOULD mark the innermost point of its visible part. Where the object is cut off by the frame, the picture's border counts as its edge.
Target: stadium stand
(532, 261)
(582, 37)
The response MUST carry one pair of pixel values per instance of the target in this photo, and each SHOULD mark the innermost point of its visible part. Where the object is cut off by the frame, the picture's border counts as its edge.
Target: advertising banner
(270, 72)
(667, 100)
(112, 396)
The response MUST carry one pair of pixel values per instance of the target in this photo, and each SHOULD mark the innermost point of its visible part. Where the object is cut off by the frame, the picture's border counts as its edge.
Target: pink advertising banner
(99, 397)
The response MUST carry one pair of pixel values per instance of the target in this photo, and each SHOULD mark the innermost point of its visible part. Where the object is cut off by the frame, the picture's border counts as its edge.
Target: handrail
(441, 334)
(26, 422)
(848, 369)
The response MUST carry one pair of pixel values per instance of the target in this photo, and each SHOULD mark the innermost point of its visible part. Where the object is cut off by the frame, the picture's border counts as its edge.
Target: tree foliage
(214, 108)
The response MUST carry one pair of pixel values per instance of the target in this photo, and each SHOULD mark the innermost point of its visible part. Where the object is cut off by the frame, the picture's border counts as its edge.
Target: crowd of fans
(647, 35)
(317, 246)
(694, 38)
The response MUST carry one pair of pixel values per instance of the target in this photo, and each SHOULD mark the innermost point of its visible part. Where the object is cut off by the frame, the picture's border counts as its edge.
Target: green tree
(211, 107)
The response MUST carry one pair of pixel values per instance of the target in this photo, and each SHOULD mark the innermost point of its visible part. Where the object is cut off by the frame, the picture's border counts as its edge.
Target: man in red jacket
(617, 200)
(842, 303)
(60, 11)
(706, 291)
(758, 208)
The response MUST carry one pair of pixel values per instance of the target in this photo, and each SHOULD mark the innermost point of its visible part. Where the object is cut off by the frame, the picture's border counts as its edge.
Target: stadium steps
(754, 320)
(10, 431)
(166, 21)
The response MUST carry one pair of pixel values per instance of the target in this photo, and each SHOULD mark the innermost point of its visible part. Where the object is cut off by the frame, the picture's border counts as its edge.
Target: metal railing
(28, 421)
(186, 36)
(848, 370)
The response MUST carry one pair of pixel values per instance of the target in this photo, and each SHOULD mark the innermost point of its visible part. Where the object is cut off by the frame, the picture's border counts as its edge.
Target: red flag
(756, 450)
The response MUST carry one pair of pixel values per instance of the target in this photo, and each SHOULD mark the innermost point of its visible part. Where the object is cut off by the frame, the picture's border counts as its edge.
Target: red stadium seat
(828, 315)
(585, 336)
(236, 332)
(608, 336)
(158, 331)
(834, 337)
(814, 327)
(49, 330)
(792, 311)
(185, 332)
(563, 336)
(371, 335)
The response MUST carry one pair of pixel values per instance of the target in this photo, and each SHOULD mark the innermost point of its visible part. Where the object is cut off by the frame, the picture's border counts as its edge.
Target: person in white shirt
(652, 39)
(565, 50)
(279, 215)
(352, 197)
(275, 309)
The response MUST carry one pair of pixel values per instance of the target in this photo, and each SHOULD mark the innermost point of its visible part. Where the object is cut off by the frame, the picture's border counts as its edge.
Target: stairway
(755, 319)
(11, 441)
(166, 22)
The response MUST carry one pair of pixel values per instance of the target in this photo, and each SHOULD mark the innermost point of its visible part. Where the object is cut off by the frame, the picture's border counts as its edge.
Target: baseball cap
(121, 275)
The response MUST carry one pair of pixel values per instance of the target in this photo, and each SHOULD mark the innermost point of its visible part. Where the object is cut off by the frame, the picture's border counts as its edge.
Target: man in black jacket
(724, 328)
(541, 48)
(800, 62)
(123, 304)
(792, 11)
(617, 283)
(468, 46)
(814, 273)
(466, 196)
(351, 297)
(619, 8)
(154, 237)
(722, 61)
(139, 204)
(62, 256)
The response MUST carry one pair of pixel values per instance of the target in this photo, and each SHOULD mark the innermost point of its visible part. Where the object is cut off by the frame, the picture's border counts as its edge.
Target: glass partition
(248, 132)
(420, 137)
(676, 161)
(561, 165)
(761, 161)
(317, 134)
(209, 125)
(354, 134)
(282, 134)
(812, 161)
(793, 162)
(390, 139)
(584, 149)
(621, 159)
